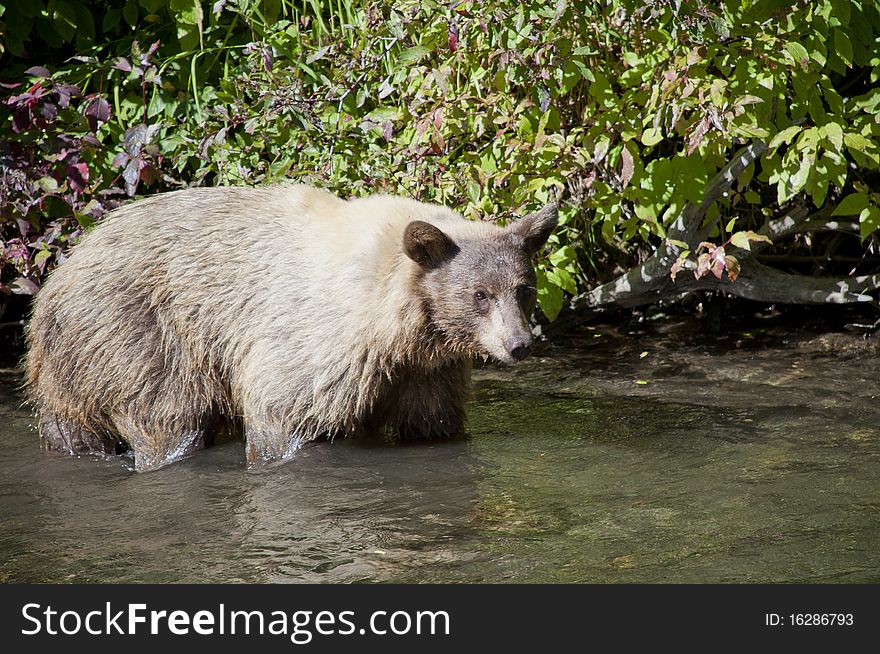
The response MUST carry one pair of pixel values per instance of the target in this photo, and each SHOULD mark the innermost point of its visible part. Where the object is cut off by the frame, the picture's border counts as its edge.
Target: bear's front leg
(429, 404)
(265, 443)
(157, 445)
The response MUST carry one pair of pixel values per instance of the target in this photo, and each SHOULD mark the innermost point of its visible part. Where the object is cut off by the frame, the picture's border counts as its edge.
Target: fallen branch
(651, 281)
(646, 283)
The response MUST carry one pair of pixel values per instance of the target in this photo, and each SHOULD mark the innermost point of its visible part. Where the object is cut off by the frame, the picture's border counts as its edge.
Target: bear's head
(481, 291)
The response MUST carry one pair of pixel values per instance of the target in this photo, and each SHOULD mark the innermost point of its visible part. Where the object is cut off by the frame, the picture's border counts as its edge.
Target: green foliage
(626, 108)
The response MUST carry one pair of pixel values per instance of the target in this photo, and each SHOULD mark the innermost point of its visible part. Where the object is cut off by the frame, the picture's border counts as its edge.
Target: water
(731, 464)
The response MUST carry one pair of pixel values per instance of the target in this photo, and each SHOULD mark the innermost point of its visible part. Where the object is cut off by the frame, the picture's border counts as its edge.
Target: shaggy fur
(295, 312)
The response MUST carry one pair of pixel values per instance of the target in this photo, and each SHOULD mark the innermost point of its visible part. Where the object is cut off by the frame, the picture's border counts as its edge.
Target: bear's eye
(482, 299)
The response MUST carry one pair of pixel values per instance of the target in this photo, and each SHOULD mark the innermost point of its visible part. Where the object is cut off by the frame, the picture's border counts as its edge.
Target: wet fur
(285, 308)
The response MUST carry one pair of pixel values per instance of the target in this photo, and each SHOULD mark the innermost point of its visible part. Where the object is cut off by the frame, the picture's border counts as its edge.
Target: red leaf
(676, 268)
(702, 265)
(148, 173)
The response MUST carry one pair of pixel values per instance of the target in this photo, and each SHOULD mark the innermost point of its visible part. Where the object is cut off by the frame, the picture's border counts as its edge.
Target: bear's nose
(519, 347)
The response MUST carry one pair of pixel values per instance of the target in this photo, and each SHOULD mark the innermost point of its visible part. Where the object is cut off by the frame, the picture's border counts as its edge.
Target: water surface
(612, 459)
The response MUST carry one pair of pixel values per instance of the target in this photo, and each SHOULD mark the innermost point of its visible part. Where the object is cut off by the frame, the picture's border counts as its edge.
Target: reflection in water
(758, 467)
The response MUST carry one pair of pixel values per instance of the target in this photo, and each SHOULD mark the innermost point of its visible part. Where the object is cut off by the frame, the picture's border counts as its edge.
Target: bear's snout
(519, 347)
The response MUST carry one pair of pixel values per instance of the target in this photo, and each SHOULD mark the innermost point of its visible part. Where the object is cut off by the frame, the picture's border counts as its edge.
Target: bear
(284, 310)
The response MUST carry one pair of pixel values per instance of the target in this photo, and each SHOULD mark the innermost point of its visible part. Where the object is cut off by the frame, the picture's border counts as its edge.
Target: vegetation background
(696, 145)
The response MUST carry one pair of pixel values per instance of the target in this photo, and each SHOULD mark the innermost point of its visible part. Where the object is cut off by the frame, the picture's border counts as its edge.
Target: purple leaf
(123, 64)
(676, 268)
(453, 37)
(78, 174)
(146, 57)
(627, 166)
(543, 98)
(91, 141)
(135, 138)
(697, 136)
(38, 71)
(21, 119)
(23, 286)
(268, 59)
(120, 159)
(97, 111)
(49, 111)
(65, 92)
(702, 265)
(131, 175)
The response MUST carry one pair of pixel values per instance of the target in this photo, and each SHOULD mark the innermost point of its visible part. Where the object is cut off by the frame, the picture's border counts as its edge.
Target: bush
(627, 109)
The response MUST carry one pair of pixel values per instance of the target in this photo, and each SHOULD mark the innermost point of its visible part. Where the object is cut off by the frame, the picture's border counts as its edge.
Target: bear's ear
(535, 228)
(425, 244)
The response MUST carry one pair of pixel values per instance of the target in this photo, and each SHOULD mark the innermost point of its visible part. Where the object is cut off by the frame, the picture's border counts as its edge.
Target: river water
(610, 459)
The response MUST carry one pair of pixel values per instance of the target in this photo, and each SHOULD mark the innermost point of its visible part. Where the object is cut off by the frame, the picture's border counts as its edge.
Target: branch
(652, 277)
(765, 284)
(722, 182)
(651, 281)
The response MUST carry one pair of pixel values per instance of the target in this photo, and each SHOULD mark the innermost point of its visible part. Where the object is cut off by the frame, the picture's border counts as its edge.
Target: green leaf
(853, 204)
(843, 47)
(85, 221)
(563, 279)
(869, 220)
(745, 239)
(111, 19)
(601, 90)
(785, 136)
(48, 184)
(42, 255)
(819, 190)
(131, 13)
(834, 134)
(152, 6)
(798, 53)
(412, 55)
(840, 9)
(740, 240)
(652, 136)
(64, 20)
(549, 296)
(858, 142)
(563, 255)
